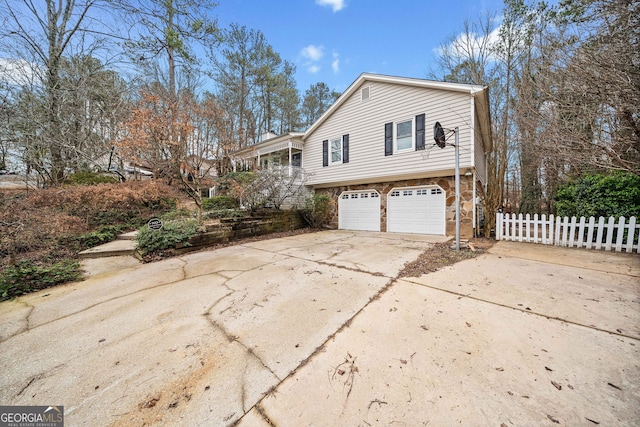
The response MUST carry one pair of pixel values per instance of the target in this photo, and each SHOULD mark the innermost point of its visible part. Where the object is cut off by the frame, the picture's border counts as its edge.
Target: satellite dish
(438, 135)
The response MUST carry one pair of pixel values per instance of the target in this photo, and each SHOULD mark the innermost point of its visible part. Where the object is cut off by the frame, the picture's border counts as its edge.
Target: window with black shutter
(345, 148)
(388, 139)
(420, 132)
(325, 152)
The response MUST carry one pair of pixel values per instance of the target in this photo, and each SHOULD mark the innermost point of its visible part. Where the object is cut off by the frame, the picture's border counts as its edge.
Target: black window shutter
(345, 148)
(325, 152)
(420, 132)
(388, 139)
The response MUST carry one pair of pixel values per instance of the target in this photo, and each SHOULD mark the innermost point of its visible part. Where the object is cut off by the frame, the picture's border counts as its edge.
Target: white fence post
(609, 233)
(520, 227)
(592, 224)
(620, 235)
(580, 241)
(599, 233)
(572, 231)
(631, 235)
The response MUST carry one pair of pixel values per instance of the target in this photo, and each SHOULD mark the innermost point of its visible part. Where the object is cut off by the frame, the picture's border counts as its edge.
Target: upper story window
(336, 150)
(404, 135)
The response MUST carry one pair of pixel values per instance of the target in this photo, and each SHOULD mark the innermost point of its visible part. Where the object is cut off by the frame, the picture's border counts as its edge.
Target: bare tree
(40, 35)
(483, 54)
(593, 90)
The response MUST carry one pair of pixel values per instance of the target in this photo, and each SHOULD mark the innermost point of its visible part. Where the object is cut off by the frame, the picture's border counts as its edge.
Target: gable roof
(481, 93)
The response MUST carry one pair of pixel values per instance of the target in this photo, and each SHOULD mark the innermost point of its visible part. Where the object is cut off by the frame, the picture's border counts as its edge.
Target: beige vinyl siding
(364, 122)
(480, 157)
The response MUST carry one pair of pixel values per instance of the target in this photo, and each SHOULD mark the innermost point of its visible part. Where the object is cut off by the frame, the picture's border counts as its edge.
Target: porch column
(290, 168)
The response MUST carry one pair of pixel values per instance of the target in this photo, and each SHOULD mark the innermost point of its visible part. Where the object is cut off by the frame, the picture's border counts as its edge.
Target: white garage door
(416, 210)
(359, 210)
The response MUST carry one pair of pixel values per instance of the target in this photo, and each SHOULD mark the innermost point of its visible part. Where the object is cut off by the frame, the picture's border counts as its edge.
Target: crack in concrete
(89, 307)
(523, 310)
(243, 391)
(25, 320)
(263, 414)
(310, 245)
(28, 384)
(233, 338)
(316, 351)
(323, 262)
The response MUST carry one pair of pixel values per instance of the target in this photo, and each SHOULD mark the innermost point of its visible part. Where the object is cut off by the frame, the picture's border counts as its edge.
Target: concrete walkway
(315, 329)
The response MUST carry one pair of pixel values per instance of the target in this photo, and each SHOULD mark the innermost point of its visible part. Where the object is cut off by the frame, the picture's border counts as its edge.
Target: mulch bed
(444, 254)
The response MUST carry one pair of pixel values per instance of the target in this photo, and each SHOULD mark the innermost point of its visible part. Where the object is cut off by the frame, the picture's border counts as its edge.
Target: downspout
(475, 229)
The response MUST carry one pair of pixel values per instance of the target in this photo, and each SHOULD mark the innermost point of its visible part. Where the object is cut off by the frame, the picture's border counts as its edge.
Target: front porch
(283, 152)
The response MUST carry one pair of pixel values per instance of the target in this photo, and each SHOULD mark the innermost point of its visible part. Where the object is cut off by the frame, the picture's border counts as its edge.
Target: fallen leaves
(554, 420)
(441, 255)
(348, 368)
(151, 402)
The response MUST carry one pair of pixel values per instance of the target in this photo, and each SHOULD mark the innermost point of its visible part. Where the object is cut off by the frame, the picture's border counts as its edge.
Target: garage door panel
(416, 210)
(359, 210)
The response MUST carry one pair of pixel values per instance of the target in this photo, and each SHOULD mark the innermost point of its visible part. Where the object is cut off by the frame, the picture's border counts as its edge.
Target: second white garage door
(417, 210)
(359, 210)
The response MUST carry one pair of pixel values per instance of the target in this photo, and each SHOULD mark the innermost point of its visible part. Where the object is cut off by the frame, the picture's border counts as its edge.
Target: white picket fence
(570, 232)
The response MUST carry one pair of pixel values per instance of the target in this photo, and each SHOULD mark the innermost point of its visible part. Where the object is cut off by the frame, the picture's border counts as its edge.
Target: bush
(317, 210)
(616, 194)
(91, 178)
(226, 213)
(25, 277)
(66, 220)
(172, 233)
(219, 202)
(104, 234)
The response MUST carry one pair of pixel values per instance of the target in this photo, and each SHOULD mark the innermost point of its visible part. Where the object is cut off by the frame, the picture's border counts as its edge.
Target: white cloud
(313, 69)
(313, 52)
(336, 5)
(470, 45)
(335, 65)
(17, 71)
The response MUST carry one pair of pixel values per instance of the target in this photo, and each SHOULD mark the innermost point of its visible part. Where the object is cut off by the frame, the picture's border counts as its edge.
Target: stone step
(116, 248)
(128, 236)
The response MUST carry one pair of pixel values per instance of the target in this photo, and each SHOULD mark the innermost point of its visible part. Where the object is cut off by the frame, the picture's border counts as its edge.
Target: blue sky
(333, 41)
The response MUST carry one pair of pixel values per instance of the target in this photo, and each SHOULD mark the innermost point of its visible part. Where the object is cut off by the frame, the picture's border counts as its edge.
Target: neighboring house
(374, 154)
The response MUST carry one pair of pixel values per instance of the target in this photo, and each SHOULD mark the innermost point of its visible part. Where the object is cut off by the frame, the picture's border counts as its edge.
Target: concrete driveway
(316, 330)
